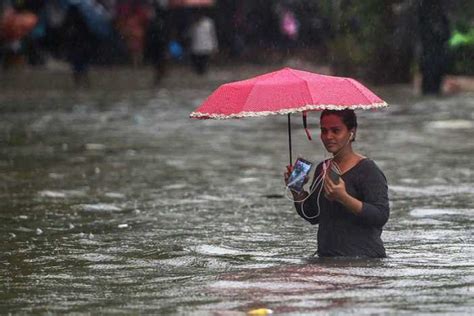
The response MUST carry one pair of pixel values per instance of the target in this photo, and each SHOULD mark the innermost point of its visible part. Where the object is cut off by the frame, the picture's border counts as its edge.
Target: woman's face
(334, 133)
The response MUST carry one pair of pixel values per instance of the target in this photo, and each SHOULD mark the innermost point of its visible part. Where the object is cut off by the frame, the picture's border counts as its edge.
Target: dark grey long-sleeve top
(341, 232)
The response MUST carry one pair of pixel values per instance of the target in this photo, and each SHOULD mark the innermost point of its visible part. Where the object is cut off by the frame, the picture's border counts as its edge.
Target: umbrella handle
(289, 138)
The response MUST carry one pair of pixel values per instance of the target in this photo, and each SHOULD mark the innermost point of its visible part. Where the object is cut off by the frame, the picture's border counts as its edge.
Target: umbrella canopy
(286, 91)
(95, 15)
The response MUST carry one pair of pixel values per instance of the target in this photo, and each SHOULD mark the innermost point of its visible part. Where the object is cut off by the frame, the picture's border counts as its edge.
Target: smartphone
(334, 173)
(301, 169)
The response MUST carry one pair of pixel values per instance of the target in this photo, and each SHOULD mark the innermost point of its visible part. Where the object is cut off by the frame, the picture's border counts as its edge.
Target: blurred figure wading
(203, 38)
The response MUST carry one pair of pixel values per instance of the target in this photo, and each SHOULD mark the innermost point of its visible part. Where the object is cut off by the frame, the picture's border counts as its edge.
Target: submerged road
(113, 200)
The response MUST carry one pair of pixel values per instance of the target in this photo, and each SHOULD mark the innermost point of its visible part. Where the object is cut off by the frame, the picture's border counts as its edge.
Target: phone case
(301, 169)
(334, 173)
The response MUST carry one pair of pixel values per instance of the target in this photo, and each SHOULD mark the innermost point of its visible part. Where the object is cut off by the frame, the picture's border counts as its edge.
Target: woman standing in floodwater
(352, 212)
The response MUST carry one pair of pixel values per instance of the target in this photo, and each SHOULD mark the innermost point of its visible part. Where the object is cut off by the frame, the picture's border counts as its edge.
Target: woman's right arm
(308, 208)
(305, 204)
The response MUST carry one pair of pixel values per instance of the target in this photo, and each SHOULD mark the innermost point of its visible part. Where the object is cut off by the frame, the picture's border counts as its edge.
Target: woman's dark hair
(348, 117)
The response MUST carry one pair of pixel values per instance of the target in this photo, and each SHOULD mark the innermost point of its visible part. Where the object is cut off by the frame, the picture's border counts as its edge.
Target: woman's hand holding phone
(338, 192)
(297, 196)
(334, 191)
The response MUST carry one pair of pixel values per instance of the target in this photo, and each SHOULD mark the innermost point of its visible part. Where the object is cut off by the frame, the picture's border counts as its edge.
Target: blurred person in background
(289, 28)
(79, 43)
(15, 26)
(132, 22)
(434, 36)
(157, 38)
(202, 34)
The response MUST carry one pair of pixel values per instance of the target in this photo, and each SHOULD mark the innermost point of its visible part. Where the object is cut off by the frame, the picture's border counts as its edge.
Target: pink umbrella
(286, 91)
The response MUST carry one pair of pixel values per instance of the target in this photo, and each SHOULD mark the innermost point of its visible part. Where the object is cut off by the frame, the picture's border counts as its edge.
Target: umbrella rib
(250, 92)
(358, 89)
(247, 98)
(271, 75)
(306, 83)
(309, 91)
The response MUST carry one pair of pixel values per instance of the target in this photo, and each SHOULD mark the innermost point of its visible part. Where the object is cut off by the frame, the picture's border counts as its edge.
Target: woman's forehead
(331, 120)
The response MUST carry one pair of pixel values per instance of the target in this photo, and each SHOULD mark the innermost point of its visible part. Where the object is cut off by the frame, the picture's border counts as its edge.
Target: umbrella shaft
(289, 138)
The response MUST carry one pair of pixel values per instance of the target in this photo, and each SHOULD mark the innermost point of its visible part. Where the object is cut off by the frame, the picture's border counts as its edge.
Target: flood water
(113, 200)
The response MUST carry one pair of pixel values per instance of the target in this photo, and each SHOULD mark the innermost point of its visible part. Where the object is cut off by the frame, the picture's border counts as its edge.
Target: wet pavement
(113, 200)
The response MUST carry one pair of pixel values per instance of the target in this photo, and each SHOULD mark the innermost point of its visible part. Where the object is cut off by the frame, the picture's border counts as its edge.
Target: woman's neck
(343, 155)
(346, 155)
(347, 159)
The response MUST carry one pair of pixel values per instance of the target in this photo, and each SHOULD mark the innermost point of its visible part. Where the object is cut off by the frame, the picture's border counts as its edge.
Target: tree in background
(372, 39)
(461, 43)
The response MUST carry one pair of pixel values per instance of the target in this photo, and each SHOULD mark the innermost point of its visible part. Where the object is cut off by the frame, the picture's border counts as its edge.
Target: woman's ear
(352, 135)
